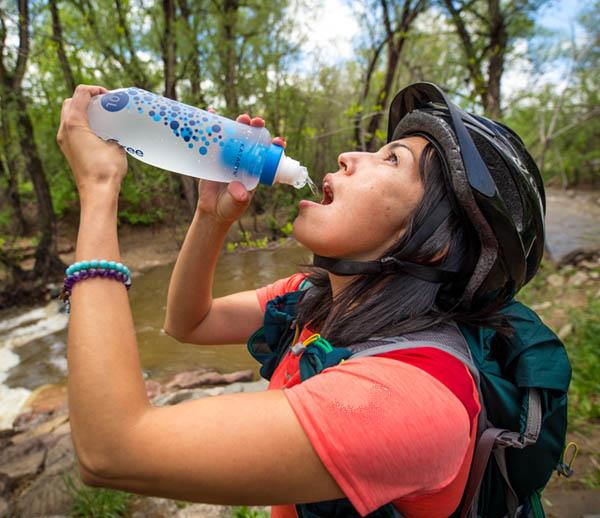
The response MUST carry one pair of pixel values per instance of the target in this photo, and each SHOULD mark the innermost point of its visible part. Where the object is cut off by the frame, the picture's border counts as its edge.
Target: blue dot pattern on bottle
(181, 121)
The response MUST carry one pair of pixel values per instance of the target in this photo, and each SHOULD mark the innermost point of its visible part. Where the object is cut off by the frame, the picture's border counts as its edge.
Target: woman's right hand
(227, 202)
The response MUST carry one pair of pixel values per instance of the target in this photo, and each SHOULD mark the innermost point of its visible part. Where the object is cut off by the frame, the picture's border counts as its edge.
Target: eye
(392, 158)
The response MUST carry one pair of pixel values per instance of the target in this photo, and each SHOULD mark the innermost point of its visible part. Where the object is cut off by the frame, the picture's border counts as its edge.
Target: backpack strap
(497, 440)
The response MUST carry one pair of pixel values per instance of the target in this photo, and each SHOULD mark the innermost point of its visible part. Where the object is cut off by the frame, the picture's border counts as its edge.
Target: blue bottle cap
(271, 163)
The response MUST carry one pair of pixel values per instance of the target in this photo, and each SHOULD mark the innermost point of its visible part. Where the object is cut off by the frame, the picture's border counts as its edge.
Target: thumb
(238, 192)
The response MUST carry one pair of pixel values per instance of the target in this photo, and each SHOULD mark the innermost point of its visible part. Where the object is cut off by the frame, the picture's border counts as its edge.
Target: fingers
(257, 122)
(280, 141)
(211, 109)
(243, 119)
(82, 96)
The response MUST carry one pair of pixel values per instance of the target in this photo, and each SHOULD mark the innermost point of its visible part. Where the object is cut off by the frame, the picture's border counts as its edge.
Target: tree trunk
(12, 164)
(60, 48)
(188, 185)
(47, 262)
(229, 56)
(498, 43)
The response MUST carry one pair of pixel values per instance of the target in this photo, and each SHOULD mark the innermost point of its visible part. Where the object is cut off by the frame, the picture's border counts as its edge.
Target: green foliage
(584, 352)
(89, 502)
(245, 512)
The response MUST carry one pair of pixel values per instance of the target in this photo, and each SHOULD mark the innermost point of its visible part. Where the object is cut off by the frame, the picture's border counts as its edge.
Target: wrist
(213, 220)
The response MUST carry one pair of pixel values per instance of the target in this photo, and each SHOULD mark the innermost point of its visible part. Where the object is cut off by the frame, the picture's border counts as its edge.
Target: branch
(57, 36)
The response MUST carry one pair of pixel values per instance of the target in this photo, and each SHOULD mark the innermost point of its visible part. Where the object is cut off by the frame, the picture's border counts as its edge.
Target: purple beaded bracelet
(90, 273)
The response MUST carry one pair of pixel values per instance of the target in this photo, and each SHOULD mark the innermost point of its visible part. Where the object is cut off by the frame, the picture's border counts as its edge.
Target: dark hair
(387, 305)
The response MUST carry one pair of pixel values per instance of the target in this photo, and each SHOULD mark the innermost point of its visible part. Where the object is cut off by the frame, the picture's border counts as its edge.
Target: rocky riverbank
(37, 455)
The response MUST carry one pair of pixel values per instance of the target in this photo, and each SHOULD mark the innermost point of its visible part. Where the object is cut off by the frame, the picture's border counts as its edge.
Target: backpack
(522, 383)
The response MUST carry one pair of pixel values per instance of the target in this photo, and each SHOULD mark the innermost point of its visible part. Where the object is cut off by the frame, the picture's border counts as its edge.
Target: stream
(33, 341)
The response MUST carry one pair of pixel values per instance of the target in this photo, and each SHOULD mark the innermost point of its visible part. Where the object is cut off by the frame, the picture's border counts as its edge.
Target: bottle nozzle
(291, 172)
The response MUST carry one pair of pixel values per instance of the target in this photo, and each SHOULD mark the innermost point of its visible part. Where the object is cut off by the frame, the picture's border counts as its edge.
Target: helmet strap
(391, 265)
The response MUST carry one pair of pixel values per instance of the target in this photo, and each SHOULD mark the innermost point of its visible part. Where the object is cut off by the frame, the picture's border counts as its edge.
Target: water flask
(180, 138)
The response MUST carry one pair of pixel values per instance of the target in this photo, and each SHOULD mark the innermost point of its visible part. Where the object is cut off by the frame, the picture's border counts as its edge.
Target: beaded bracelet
(90, 269)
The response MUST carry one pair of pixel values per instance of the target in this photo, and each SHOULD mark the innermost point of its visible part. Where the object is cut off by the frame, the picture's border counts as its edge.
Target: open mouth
(327, 193)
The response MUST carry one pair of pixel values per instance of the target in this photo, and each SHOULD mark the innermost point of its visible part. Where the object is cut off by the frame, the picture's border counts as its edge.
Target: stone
(555, 280)
(543, 305)
(47, 495)
(194, 379)
(61, 456)
(22, 460)
(578, 279)
(172, 398)
(255, 386)
(184, 377)
(152, 507)
(565, 331)
(205, 511)
(42, 429)
(594, 275)
(47, 398)
(153, 388)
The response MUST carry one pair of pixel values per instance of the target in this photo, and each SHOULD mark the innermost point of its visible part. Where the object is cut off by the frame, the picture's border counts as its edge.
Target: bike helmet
(493, 182)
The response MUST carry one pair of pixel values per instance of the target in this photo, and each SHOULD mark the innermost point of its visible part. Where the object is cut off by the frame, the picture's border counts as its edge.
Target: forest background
(269, 59)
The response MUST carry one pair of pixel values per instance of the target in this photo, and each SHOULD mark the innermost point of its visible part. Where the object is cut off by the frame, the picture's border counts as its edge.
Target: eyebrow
(395, 145)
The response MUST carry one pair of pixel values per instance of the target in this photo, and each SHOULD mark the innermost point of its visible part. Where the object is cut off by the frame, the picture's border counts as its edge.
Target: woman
(409, 240)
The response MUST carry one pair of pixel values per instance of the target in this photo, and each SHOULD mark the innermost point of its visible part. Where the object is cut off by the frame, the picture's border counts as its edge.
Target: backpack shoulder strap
(448, 339)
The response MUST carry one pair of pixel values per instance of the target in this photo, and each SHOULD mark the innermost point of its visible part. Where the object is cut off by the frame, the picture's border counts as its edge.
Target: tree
(12, 99)
(396, 19)
(487, 29)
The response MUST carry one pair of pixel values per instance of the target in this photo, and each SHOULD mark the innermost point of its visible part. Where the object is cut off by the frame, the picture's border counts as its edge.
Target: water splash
(313, 187)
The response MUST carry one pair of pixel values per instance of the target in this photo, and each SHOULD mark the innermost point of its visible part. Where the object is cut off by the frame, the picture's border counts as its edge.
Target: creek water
(33, 342)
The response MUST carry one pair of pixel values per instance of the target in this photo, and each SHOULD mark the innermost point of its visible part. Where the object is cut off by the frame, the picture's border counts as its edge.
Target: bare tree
(397, 19)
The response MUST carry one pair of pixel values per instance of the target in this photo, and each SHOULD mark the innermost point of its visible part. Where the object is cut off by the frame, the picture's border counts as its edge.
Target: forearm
(105, 385)
(190, 290)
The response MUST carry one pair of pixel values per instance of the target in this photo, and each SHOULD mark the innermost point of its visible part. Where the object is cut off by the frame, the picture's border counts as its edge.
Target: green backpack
(522, 383)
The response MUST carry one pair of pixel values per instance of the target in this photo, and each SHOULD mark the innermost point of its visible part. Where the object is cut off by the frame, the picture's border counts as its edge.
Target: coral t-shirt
(397, 427)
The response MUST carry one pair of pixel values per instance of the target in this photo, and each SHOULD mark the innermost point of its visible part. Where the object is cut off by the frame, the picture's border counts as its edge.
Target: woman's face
(366, 204)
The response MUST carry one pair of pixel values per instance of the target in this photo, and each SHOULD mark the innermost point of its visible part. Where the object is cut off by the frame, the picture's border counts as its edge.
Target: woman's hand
(227, 202)
(98, 166)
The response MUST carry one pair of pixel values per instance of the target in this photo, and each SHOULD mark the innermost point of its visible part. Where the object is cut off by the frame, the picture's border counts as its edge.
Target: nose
(347, 161)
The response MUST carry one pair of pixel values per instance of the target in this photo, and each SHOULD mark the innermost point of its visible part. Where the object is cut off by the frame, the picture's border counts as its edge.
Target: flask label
(114, 101)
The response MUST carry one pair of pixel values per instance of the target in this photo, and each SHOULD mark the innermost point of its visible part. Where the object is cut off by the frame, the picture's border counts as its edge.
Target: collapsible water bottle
(180, 138)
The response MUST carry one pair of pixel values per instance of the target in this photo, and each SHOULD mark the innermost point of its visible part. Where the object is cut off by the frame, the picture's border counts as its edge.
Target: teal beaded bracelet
(98, 264)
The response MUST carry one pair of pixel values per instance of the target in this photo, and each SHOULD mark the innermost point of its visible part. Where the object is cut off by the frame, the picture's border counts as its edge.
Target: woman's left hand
(98, 166)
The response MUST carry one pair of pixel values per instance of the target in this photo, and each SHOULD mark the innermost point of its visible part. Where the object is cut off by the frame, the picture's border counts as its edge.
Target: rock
(4, 508)
(543, 305)
(205, 511)
(152, 507)
(555, 280)
(47, 398)
(578, 279)
(22, 460)
(193, 379)
(61, 456)
(40, 430)
(153, 388)
(594, 275)
(565, 331)
(47, 495)
(172, 398)
(255, 386)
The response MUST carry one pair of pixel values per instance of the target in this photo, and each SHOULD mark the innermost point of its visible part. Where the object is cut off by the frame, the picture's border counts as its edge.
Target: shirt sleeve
(383, 429)
(277, 288)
